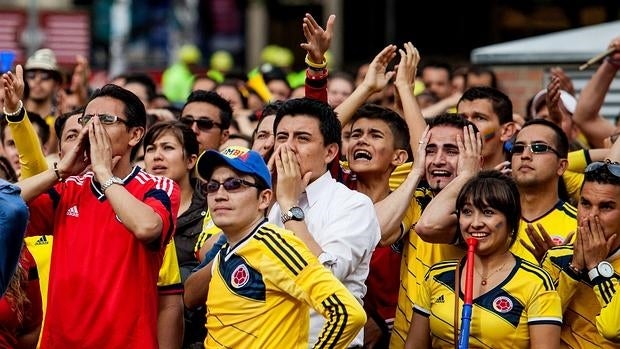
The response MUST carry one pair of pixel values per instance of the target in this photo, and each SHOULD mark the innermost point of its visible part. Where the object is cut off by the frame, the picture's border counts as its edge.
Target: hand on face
(470, 152)
(100, 150)
(290, 183)
(595, 245)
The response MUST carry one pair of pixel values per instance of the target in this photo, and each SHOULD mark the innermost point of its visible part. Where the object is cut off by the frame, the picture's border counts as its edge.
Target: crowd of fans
(222, 211)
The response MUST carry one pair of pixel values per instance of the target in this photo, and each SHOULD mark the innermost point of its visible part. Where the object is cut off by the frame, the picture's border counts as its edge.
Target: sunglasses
(230, 185)
(106, 119)
(43, 74)
(612, 167)
(203, 124)
(535, 148)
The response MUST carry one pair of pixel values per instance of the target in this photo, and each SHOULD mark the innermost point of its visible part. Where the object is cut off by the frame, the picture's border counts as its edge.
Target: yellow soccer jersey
(408, 266)
(208, 230)
(578, 300)
(399, 175)
(558, 223)
(501, 317)
(608, 321)
(169, 280)
(261, 292)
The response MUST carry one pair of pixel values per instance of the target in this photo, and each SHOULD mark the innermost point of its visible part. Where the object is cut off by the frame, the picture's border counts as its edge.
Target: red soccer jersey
(103, 280)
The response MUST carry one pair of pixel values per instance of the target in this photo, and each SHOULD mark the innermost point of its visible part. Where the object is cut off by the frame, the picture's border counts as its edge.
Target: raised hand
(378, 76)
(318, 39)
(13, 85)
(552, 98)
(566, 83)
(408, 65)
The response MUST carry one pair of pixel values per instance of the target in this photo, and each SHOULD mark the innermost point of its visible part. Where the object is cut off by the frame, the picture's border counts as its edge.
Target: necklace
(484, 278)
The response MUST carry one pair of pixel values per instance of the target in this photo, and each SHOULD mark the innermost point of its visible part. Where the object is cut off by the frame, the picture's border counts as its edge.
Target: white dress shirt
(344, 223)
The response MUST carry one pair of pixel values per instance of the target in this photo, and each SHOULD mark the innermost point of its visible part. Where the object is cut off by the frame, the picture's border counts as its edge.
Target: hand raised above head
(407, 67)
(318, 40)
(378, 76)
(13, 84)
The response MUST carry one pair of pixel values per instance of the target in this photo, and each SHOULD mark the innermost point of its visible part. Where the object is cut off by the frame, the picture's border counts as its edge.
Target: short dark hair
(144, 80)
(561, 139)
(478, 70)
(61, 121)
(181, 131)
(438, 65)
(491, 188)
(214, 99)
(329, 125)
(502, 105)
(133, 107)
(450, 119)
(397, 124)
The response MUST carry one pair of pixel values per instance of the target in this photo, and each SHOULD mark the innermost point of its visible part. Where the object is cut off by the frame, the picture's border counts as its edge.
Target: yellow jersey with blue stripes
(261, 292)
(500, 317)
(560, 221)
(608, 321)
(578, 299)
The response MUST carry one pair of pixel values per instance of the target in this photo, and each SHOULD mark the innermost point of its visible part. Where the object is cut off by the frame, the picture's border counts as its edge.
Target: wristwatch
(604, 269)
(112, 180)
(294, 213)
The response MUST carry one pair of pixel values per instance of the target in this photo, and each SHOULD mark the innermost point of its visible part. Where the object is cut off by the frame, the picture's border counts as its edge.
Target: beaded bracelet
(20, 105)
(315, 66)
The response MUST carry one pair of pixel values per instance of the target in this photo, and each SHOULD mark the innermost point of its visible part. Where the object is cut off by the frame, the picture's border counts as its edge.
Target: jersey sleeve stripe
(285, 247)
(607, 290)
(541, 274)
(278, 251)
(421, 311)
(336, 323)
(294, 251)
(545, 321)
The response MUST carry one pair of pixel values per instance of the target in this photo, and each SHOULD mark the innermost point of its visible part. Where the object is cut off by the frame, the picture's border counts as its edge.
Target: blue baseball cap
(239, 158)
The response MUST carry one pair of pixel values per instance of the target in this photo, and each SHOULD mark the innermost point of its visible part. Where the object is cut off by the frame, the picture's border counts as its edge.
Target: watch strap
(593, 274)
(112, 180)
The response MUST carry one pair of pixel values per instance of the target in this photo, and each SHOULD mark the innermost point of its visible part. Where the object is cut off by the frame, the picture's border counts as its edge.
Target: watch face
(605, 269)
(298, 213)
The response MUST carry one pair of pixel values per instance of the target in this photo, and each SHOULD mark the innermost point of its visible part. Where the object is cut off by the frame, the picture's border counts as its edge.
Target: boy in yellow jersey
(264, 280)
(591, 265)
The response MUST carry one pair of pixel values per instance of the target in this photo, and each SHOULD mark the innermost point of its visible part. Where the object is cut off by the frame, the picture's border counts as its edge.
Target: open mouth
(479, 235)
(362, 155)
(440, 173)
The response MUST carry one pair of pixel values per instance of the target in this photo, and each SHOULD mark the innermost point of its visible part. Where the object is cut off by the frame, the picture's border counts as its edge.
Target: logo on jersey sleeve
(73, 211)
(240, 276)
(502, 304)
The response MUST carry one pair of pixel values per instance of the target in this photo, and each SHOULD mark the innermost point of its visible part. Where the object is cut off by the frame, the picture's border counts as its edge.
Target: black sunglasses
(535, 148)
(43, 74)
(230, 185)
(203, 124)
(612, 167)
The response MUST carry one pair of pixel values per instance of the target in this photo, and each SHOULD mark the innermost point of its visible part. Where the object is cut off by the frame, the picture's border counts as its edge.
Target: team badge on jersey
(240, 276)
(502, 304)
(557, 240)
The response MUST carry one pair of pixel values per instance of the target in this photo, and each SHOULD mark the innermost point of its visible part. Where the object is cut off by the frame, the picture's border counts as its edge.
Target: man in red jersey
(110, 226)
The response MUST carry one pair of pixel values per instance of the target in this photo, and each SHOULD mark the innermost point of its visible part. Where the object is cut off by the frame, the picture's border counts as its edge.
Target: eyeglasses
(230, 185)
(535, 148)
(202, 123)
(106, 119)
(43, 74)
(612, 167)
